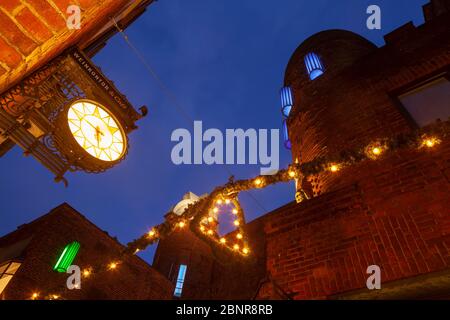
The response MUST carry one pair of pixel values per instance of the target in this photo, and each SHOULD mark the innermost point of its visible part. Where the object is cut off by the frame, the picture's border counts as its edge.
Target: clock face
(96, 130)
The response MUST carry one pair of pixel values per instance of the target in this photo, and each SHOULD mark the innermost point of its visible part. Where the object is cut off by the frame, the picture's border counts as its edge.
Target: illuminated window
(7, 271)
(313, 66)
(67, 256)
(180, 280)
(286, 101)
(287, 142)
(428, 102)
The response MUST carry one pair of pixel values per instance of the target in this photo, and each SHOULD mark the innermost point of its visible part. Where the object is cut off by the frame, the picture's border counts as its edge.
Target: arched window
(313, 65)
(286, 101)
(287, 142)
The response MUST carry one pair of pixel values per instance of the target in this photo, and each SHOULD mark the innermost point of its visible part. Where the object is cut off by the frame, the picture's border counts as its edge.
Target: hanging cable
(171, 96)
(161, 84)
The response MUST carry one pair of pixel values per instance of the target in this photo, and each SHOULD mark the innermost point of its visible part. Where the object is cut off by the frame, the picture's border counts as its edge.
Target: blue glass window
(313, 65)
(180, 280)
(286, 101)
(287, 142)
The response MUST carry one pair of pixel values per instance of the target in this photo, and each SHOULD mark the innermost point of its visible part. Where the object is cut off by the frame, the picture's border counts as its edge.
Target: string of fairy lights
(201, 217)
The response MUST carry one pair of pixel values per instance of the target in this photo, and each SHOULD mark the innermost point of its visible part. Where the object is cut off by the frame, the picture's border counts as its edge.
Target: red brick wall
(33, 32)
(210, 272)
(396, 214)
(134, 279)
(183, 247)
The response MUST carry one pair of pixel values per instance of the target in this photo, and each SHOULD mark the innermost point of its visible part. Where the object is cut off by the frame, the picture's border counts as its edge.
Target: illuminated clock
(96, 130)
(90, 136)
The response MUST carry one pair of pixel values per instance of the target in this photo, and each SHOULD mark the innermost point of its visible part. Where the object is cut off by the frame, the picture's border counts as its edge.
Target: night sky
(224, 61)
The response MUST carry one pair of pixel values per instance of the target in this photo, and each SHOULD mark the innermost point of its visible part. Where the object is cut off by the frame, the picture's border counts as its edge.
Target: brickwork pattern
(134, 279)
(34, 31)
(395, 215)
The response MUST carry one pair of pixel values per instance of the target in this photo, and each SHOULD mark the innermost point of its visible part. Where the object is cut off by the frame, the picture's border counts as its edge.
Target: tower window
(428, 102)
(180, 281)
(286, 101)
(313, 65)
(287, 142)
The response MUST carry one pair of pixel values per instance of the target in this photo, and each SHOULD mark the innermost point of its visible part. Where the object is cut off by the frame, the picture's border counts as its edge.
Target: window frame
(287, 100)
(5, 272)
(314, 60)
(413, 85)
(286, 139)
(180, 280)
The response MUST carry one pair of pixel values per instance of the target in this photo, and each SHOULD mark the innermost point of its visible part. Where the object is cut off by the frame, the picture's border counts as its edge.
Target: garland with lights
(426, 137)
(200, 216)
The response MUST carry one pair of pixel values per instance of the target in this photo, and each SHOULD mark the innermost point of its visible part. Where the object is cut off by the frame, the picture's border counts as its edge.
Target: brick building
(393, 212)
(28, 255)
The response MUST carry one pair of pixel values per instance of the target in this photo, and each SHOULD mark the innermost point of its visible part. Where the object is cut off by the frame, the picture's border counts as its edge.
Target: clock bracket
(30, 111)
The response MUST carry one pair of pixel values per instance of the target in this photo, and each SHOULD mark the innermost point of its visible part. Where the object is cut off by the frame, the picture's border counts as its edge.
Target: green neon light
(67, 256)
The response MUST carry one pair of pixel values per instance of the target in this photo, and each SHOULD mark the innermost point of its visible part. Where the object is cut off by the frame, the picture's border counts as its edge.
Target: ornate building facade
(45, 71)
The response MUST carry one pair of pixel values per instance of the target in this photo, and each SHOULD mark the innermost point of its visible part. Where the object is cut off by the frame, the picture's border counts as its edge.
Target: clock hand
(98, 134)
(97, 138)
(95, 128)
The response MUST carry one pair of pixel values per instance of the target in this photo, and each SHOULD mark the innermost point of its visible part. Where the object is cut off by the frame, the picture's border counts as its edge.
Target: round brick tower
(343, 107)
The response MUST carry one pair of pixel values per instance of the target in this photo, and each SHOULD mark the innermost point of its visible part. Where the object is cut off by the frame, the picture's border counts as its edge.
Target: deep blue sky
(224, 61)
